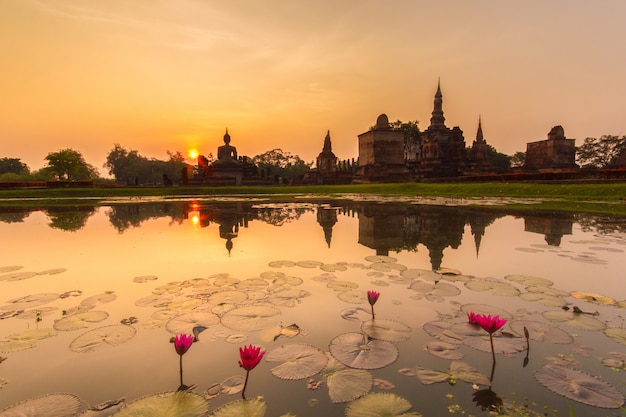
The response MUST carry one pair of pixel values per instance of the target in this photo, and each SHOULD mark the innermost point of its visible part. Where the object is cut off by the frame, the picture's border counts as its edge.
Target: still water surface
(166, 267)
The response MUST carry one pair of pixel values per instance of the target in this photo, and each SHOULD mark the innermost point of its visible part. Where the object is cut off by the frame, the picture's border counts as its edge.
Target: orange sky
(157, 75)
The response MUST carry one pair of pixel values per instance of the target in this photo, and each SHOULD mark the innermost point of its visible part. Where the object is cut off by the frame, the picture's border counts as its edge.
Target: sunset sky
(157, 75)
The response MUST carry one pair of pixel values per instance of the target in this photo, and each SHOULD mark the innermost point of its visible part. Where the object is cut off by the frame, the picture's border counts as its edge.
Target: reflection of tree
(13, 215)
(125, 216)
(278, 215)
(552, 225)
(69, 219)
(601, 224)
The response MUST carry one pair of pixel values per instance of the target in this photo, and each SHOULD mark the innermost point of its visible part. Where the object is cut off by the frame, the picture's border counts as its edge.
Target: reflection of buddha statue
(226, 153)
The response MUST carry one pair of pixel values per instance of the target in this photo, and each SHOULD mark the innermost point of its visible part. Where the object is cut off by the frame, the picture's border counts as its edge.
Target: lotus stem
(493, 352)
(181, 369)
(245, 384)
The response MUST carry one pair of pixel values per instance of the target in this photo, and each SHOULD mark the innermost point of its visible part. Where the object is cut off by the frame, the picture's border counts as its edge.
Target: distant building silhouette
(554, 153)
(479, 158)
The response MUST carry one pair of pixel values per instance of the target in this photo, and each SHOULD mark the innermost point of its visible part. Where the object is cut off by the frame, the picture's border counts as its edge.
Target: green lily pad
(171, 404)
(495, 286)
(387, 330)
(25, 340)
(579, 386)
(80, 320)
(443, 331)
(458, 370)
(30, 301)
(544, 299)
(106, 297)
(529, 280)
(342, 285)
(50, 405)
(185, 323)
(113, 335)
(250, 318)
(299, 361)
(228, 297)
(344, 383)
(541, 331)
(281, 263)
(242, 408)
(486, 309)
(578, 321)
(309, 264)
(596, 298)
(617, 334)
(444, 350)
(288, 297)
(380, 404)
(356, 351)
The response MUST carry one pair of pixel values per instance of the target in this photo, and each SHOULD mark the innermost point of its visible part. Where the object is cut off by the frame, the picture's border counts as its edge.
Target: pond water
(90, 297)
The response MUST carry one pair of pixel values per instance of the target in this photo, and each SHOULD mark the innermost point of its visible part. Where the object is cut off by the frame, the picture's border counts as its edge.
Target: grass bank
(608, 198)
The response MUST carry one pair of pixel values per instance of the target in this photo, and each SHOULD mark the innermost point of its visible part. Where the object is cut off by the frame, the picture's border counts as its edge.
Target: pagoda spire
(479, 133)
(437, 118)
(328, 147)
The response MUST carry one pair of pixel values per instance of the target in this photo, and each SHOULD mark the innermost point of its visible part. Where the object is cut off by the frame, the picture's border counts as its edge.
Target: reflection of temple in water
(327, 217)
(553, 226)
(387, 228)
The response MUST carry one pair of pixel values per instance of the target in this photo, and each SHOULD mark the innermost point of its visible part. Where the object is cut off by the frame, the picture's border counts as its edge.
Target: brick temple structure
(554, 153)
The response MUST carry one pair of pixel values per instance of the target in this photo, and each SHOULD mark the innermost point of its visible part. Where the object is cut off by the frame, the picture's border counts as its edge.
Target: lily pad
(579, 386)
(443, 331)
(495, 286)
(171, 404)
(596, 298)
(379, 404)
(541, 331)
(299, 361)
(458, 370)
(113, 335)
(444, 350)
(106, 297)
(529, 280)
(486, 309)
(544, 299)
(387, 330)
(357, 351)
(288, 297)
(617, 334)
(578, 321)
(50, 405)
(228, 297)
(242, 408)
(250, 318)
(185, 323)
(80, 320)
(30, 301)
(25, 340)
(344, 383)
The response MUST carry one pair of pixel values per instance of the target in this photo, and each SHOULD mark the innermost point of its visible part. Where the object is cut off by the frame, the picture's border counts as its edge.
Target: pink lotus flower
(372, 297)
(489, 324)
(250, 358)
(182, 343)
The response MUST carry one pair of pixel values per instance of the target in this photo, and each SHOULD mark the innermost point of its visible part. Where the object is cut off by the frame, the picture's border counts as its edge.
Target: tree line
(130, 167)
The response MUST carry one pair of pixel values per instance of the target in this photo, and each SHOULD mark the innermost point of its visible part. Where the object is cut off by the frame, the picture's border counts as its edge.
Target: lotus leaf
(596, 298)
(380, 404)
(501, 344)
(113, 335)
(617, 334)
(458, 370)
(486, 309)
(228, 297)
(185, 323)
(309, 264)
(288, 298)
(426, 274)
(145, 278)
(544, 299)
(53, 271)
(25, 340)
(529, 280)
(353, 296)
(171, 404)
(496, 287)
(579, 386)
(105, 409)
(547, 290)
(154, 301)
(254, 284)
(578, 321)
(430, 376)
(50, 405)
(223, 280)
(10, 268)
(281, 263)
(357, 314)
(387, 330)
(541, 331)
(342, 285)
(242, 408)
(80, 320)
(334, 267)
(232, 385)
(444, 350)
(30, 301)
(106, 297)
(17, 276)
(356, 351)
(345, 384)
(299, 361)
(288, 280)
(250, 318)
(380, 259)
(443, 331)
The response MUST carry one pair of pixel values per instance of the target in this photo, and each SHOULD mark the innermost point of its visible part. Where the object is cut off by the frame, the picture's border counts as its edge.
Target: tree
(68, 164)
(600, 153)
(13, 165)
(131, 167)
(280, 163)
(518, 159)
(499, 161)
